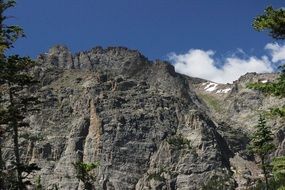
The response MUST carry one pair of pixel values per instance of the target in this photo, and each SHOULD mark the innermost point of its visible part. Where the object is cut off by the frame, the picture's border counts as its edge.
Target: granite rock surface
(147, 126)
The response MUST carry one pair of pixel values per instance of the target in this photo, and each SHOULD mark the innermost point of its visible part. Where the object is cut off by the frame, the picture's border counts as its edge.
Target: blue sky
(154, 27)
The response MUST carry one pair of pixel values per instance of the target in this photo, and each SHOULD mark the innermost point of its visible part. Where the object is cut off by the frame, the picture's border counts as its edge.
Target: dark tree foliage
(261, 145)
(83, 173)
(278, 165)
(15, 100)
(272, 20)
(276, 88)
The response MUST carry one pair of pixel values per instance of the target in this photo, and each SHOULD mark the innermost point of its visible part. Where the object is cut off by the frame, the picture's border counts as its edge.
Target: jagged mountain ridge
(148, 126)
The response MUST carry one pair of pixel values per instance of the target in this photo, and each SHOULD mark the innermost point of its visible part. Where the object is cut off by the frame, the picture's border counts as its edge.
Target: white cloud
(196, 63)
(202, 64)
(277, 52)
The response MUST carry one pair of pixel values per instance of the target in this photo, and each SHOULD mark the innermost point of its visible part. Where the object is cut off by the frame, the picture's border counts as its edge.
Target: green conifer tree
(261, 145)
(278, 165)
(83, 173)
(273, 20)
(15, 81)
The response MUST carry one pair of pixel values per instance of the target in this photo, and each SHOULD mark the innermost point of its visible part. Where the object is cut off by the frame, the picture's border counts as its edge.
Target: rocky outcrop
(236, 110)
(148, 126)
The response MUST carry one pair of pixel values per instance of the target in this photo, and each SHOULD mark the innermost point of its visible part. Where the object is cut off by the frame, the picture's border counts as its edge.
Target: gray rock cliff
(148, 126)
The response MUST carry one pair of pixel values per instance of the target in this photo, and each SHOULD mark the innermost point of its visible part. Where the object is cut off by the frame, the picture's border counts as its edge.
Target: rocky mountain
(147, 126)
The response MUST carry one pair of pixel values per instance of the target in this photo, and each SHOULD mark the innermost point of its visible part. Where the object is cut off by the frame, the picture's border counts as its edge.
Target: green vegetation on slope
(212, 102)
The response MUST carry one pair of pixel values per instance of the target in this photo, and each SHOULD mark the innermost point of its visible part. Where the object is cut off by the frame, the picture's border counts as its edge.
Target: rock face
(147, 126)
(236, 110)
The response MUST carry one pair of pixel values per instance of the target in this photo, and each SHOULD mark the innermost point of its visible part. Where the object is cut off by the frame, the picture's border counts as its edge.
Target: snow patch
(224, 90)
(227, 90)
(211, 87)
